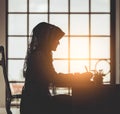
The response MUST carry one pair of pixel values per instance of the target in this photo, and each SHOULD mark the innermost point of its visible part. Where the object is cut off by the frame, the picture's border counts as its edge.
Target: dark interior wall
(2, 22)
(117, 41)
(2, 42)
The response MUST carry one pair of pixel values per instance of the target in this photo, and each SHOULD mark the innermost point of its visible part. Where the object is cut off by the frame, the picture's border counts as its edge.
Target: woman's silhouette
(38, 69)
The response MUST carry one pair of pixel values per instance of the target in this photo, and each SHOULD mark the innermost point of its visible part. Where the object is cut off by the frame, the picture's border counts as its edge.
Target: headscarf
(43, 33)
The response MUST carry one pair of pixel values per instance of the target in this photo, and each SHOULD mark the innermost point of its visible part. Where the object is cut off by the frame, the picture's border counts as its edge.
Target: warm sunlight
(79, 55)
(86, 40)
(74, 53)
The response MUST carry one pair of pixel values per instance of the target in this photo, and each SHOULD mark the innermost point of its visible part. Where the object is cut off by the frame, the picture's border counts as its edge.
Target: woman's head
(45, 35)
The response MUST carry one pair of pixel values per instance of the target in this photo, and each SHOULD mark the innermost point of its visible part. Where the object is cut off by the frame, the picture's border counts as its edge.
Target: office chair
(9, 96)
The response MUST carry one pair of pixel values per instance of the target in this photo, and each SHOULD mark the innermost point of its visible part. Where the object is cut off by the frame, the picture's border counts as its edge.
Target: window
(87, 42)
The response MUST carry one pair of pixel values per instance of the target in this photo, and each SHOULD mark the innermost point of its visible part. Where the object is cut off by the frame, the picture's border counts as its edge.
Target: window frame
(112, 39)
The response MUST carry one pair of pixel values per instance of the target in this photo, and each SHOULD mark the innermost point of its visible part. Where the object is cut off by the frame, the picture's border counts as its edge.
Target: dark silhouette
(39, 71)
(9, 95)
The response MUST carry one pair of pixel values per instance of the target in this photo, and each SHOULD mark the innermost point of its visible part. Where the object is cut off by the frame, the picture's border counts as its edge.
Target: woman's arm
(45, 70)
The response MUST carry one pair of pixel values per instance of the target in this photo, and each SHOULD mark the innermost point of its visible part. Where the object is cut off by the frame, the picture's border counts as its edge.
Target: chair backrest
(3, 64)
(9, 95)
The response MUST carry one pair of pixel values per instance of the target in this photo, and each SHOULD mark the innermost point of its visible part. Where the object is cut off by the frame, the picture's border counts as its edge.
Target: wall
(117, 41)
(2, 42)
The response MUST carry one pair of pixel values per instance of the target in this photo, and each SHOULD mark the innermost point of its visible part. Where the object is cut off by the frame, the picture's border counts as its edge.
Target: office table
(88, 98)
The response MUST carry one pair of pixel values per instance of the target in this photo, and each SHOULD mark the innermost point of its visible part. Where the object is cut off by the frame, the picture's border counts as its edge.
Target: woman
(39, 71)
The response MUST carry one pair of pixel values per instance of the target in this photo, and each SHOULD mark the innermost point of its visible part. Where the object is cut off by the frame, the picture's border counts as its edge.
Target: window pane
(79, 47)
(92, 65)
(38, 6)
(15, 70)
(61, 66)
(34, 19)
(16, 88)
(17, 47)
(79, 5)
(78, 66)
(17, 5)
(17, 24)
(62, 49)
(100, 47)
(57, 19)
(58, 5)
(79, 24)
(106, 79)
(80, 21)
(100, 24)
(100, 5)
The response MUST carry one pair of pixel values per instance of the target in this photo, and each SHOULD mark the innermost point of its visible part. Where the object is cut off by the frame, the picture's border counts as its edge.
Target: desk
(92, 99)
(104, 99)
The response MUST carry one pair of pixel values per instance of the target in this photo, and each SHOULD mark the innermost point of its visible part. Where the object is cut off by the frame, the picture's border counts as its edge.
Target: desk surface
(91, 99)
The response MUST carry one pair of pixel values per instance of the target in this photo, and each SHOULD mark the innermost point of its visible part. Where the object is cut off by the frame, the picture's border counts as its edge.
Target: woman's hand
(87, 74)
(83, 77)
